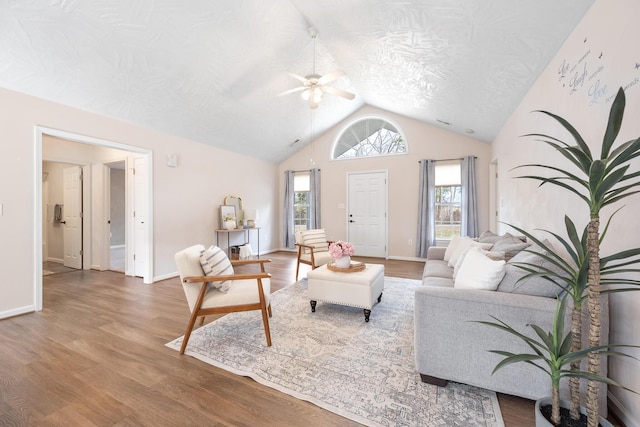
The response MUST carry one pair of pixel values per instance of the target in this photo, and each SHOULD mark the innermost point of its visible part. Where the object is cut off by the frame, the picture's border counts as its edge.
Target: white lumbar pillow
(478, 271)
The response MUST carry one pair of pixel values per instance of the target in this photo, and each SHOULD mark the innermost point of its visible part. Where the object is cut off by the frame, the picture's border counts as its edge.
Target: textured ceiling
(211, 71)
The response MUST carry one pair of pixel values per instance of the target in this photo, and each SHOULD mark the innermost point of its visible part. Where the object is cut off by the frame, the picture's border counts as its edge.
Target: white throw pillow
(479, 272)
(483, 249)
(215, 262)
(461, 246)
(317, 239)
(451, 248)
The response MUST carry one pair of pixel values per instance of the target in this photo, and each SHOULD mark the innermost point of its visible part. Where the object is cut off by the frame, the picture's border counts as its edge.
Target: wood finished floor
(95, 356)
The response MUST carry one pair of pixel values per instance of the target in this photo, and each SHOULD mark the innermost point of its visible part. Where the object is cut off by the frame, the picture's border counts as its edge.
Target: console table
(247, 237)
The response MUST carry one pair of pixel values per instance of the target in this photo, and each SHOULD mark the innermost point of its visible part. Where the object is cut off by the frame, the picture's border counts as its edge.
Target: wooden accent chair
(313, 248)
(245, 292)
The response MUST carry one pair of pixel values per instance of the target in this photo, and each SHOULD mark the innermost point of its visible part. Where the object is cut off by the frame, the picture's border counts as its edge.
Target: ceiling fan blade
(294, 90)
(328, 78)
(339, 92)
(299, 77)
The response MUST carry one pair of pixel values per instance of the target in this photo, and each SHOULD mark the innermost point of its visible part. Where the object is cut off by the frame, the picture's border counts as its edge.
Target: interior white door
(141, 215)
(367, 213)
(72, 216)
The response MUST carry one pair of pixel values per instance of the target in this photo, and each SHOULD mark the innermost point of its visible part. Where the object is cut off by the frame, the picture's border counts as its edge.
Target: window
(371, 136)
(448, 201)
(301, 187)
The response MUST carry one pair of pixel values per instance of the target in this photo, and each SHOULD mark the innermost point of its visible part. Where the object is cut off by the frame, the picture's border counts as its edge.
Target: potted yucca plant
(599, 183)
(551, 352)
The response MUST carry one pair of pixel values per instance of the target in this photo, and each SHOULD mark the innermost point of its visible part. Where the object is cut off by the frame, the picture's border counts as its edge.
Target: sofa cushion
(214, 262)
(437, 268)
(536, 286)
(438, 282)
(479, 272)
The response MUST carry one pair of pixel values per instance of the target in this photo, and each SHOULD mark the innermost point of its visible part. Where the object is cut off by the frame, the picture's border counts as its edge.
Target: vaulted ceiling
(211, 71)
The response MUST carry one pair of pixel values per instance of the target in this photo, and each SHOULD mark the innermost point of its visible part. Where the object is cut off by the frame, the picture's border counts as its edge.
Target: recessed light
(469, 131)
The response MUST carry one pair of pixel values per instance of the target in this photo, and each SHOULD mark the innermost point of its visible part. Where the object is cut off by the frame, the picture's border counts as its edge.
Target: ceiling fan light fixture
(317, 94)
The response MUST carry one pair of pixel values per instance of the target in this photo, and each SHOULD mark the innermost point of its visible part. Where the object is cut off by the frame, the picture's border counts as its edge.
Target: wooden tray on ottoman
(354, 267)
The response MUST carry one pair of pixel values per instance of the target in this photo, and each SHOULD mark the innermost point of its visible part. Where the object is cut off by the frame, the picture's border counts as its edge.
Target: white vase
(343, 262)
(229, 225)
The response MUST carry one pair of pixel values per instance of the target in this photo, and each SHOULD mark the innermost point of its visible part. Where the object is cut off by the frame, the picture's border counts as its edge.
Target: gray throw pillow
(536, 286)
(510, 245)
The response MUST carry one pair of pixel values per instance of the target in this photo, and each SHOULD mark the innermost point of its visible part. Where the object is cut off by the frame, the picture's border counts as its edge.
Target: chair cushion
(215, 262)
(319, 258)
(188, 263)
(316, 239)
(244, 291)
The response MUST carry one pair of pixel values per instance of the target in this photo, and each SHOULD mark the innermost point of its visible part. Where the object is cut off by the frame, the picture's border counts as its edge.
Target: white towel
(245, 251)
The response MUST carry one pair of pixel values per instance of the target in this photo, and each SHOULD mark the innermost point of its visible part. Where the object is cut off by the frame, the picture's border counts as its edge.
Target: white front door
(367, 213)
(141, 216)
(72, 216)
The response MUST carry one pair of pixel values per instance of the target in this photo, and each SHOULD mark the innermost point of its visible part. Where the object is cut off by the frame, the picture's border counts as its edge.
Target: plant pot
(542, 421)
(343, 262)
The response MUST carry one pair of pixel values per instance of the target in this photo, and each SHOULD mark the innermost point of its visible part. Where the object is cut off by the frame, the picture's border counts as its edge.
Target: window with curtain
(301, 200)
(448, 200)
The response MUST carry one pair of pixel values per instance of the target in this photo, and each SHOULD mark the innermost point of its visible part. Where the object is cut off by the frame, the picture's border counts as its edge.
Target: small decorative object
(229, 222)
(341, 251)
(227, 212)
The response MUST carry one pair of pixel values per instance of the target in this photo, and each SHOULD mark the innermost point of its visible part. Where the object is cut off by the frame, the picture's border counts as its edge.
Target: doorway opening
(95, 219)
(62, 226)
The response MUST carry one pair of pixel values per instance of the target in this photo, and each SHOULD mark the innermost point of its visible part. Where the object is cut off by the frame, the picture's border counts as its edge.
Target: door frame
(386, 204)
(39, 131)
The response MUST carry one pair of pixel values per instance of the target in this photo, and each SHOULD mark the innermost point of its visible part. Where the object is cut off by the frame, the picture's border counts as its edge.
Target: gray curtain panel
(314, 199)
(426, 208)
(469, 204)
(289, 232)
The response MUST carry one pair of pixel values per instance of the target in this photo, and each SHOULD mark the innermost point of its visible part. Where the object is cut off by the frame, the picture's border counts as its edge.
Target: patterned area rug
(333, 359)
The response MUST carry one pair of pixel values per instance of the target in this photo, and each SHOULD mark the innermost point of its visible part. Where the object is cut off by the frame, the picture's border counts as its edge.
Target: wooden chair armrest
(249, 261)
(199, 279)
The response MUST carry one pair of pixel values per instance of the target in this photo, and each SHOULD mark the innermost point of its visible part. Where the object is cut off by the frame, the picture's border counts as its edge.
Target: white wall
(424, 142)
(186, 199)
(603, 49)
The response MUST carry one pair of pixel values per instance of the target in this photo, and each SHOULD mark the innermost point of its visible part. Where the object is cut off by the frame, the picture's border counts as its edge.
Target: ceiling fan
(314, 85)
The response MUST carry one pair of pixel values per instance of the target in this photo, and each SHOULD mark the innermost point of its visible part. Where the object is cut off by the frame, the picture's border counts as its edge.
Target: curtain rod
(448, 160)
(305, 170)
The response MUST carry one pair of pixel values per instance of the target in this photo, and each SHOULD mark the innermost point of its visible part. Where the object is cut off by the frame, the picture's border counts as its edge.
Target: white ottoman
(360, 289)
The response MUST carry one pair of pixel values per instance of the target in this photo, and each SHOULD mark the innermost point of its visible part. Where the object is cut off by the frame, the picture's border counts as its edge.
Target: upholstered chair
(313, 248)
(221, 290)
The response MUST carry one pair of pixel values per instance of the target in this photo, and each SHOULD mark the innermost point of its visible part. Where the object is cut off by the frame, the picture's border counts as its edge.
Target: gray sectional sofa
(450, 346)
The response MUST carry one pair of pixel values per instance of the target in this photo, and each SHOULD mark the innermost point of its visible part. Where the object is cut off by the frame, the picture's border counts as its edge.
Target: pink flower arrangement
(340, 248)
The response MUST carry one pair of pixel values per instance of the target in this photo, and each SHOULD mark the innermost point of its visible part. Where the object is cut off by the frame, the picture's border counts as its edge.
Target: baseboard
(165, 276)
(620, 412)
(58, 260)
(404, 258)
(17, 311)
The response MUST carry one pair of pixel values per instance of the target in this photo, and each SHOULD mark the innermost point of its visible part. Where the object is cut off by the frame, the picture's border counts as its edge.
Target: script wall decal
(593, 74)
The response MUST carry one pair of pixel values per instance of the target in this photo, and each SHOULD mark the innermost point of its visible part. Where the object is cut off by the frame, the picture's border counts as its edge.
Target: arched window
(367, 137)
